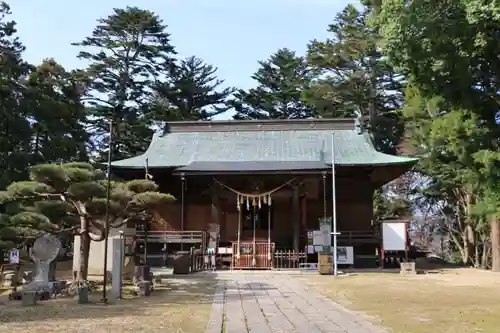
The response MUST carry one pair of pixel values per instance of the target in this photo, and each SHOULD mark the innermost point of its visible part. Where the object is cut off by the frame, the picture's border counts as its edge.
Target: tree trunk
(469, 244)
(477, 262)
(486, 254)
(465, 253)
(495, 244)
(84, 250)
(459, 244)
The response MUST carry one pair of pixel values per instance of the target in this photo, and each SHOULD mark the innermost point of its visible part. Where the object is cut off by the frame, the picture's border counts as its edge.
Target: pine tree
(128, 51)
(191, 92)
(57, 115)
(355, 80)
(15, 132)
(281, 81)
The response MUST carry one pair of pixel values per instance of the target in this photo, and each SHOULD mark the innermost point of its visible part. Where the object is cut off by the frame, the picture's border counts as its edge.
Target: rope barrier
(255, 195)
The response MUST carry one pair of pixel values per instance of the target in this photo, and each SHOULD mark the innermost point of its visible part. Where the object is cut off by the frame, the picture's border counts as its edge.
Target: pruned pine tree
(71, 199)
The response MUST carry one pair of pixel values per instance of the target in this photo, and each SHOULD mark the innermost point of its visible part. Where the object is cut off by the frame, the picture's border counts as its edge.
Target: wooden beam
(296, 217)
(183, 205)
(214, 227)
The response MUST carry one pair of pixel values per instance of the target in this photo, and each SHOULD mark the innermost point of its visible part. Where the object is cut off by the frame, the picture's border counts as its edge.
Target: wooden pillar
(296, 217)
(183, 206)
(214, 226)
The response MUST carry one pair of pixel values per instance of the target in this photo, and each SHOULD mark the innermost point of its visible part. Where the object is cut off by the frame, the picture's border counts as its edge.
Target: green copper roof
(278, 141)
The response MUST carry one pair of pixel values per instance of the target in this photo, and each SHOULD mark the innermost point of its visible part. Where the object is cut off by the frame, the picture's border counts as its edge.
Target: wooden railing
(198, 236)
(288, 259)
(356, 237)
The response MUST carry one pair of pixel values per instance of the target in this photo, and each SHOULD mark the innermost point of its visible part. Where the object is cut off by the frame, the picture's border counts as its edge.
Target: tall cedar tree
(192, 92)
(128, 52)
(281, 81)
(355, 80)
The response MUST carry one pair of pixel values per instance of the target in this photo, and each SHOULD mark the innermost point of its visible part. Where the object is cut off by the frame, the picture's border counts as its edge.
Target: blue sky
(232, 35)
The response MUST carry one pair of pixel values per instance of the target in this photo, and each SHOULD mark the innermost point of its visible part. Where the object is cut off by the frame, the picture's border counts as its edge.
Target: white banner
(394, 236)
(345, 255)
(14, 257)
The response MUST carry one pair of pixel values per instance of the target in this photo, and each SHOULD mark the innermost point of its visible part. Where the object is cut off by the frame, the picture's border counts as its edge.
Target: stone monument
(45, 250)
(117, 246)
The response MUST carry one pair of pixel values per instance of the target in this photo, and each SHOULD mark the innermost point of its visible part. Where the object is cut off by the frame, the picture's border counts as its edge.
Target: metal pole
(334, 209)
(106, 221)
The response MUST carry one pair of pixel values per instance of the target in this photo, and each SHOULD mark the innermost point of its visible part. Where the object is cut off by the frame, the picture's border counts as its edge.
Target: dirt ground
(181, 306)
(448, 301)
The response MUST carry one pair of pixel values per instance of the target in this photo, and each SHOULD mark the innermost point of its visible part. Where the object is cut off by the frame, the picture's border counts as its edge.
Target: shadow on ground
(178, 292)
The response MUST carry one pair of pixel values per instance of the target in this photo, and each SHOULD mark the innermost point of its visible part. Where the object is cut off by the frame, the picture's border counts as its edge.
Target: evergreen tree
(15, 132)
(453, 65)
(280, 83)
(191, 92)
(128, 51)
(355, 80)
(57, 115)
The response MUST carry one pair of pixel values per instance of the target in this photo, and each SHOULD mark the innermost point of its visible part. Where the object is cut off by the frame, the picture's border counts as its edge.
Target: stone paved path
(266, 302)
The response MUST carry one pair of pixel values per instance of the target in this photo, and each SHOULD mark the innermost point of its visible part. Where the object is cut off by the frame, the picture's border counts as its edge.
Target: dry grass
(183, 306)
(451, 301)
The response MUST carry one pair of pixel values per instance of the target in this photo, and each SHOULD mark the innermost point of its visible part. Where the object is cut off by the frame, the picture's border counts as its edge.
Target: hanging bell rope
(254, 262)
(269, 233)
(239, 230)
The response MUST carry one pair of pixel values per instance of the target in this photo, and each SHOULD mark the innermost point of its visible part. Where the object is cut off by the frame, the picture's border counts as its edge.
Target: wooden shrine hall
(258, 187)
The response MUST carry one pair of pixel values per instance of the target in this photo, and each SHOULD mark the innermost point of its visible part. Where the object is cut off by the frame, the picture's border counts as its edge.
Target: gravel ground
(181, 306)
